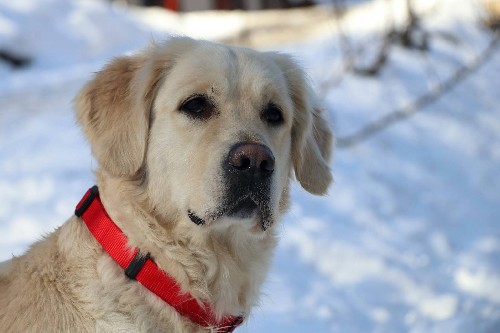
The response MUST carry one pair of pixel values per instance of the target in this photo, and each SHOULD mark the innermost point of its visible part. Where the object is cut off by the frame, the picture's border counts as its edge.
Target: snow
(407, 239)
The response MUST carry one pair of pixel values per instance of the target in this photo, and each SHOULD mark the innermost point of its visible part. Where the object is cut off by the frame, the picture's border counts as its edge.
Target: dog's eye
(197, 107)
(272, 115)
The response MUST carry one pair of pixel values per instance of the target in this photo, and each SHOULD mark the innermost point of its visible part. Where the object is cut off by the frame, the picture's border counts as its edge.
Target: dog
(197, 144)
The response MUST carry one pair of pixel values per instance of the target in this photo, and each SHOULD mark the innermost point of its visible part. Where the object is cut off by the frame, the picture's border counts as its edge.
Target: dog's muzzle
(247, 170)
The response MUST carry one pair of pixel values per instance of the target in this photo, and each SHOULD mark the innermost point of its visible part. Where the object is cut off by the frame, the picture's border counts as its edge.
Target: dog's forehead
(209, 66)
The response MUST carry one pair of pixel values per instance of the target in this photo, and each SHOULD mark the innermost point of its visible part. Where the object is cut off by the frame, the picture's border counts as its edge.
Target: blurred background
(408, 238)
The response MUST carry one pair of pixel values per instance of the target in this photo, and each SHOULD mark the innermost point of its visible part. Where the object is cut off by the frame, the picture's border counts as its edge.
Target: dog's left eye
(197, 107)
(272, 115)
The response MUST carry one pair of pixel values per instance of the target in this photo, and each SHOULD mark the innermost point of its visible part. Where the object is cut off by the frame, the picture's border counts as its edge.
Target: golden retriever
(196, 145)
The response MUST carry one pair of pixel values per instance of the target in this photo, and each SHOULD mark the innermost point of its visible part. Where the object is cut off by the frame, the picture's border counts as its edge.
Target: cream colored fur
(155, 164)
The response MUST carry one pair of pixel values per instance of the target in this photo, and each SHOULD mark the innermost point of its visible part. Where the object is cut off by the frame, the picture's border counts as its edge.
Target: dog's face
(211, 132)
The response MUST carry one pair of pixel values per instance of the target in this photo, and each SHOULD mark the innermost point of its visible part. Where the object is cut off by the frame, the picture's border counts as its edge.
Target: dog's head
(211, 132)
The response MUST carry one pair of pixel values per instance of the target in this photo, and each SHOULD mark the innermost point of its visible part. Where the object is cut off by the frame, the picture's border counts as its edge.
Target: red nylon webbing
(114, 241)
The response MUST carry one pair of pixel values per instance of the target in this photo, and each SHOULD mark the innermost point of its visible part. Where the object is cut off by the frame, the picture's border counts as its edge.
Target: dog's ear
(114, 110)
(311, 135)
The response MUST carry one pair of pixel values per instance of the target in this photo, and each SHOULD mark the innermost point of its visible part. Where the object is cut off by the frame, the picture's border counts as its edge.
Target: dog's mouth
(243, 208)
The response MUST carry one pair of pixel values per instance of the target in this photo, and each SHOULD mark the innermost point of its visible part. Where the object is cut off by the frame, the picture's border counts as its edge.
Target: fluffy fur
(156, 163)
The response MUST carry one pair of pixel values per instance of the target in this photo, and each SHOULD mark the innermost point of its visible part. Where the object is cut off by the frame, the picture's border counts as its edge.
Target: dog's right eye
(197, 107)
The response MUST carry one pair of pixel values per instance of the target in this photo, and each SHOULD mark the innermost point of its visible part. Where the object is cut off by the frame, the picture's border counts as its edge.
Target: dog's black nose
(252, 160)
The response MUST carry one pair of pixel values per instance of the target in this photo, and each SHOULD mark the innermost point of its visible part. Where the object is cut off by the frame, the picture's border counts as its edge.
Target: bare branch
(435, 93)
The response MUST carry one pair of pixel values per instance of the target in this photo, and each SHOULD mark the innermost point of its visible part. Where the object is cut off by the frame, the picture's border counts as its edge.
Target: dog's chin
(246, 212)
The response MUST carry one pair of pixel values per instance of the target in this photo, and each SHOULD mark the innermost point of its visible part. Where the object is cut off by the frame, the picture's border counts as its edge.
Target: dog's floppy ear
(114, 110)
(311, 135)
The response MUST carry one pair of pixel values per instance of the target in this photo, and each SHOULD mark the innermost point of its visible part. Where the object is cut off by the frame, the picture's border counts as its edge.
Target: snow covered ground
(408, 240)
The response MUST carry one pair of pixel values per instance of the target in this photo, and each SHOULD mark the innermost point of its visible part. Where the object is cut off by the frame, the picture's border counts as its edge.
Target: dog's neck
(225, 268)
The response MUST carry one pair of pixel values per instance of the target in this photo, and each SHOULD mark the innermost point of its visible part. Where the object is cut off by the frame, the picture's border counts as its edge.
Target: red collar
(142, 268)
